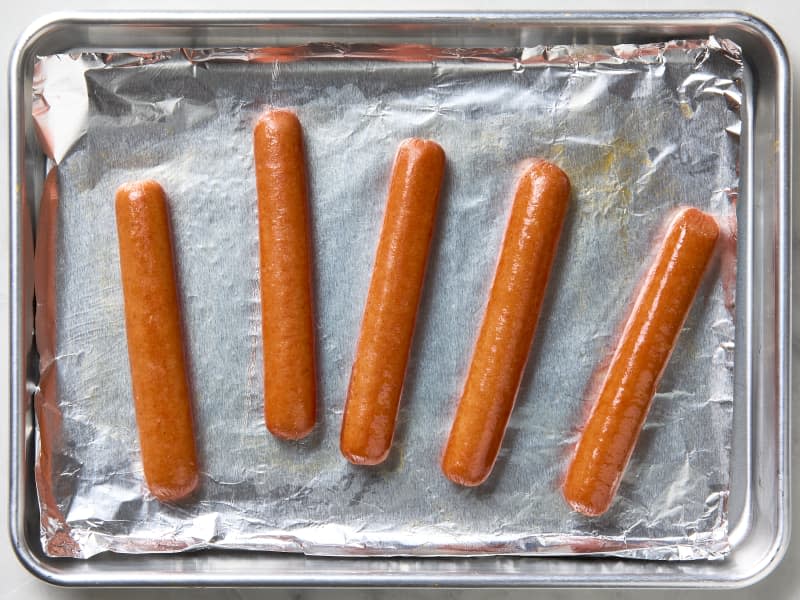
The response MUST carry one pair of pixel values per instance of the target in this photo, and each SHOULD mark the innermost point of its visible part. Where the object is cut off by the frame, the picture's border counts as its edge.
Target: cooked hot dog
(388, 325)
(501, 351)
(287, 323)
(155, 342)
(625, 395)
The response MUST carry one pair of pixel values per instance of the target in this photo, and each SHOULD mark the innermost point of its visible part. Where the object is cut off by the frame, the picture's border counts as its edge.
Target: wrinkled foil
(640, 129)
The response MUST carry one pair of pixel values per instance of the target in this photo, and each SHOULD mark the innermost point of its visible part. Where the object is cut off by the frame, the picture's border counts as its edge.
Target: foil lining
(640, 129)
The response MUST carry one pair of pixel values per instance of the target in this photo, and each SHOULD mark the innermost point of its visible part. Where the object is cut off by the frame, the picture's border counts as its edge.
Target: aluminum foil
(639, 129)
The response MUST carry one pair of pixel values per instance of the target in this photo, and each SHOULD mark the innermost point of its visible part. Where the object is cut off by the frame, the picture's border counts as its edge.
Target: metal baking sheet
(749, 223)
(639, 129)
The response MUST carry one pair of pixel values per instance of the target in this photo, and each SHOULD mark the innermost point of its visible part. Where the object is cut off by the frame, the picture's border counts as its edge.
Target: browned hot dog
(373, 397)
(290, 380)
(502, 348)
(619, 411)
(155, 342)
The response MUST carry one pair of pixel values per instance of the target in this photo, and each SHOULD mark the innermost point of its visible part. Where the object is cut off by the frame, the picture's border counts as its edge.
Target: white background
(16, 582)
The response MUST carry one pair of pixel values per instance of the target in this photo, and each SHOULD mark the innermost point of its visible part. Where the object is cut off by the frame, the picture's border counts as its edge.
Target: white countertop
(783, 15)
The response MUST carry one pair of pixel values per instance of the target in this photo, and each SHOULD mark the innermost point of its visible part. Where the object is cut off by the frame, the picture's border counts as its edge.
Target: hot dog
(665, 296)
(383, 346)
(155, 342)
(515, 300)
(287, 324)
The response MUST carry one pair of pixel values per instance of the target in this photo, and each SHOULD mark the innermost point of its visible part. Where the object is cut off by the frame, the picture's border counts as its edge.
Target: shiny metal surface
(758, 495)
